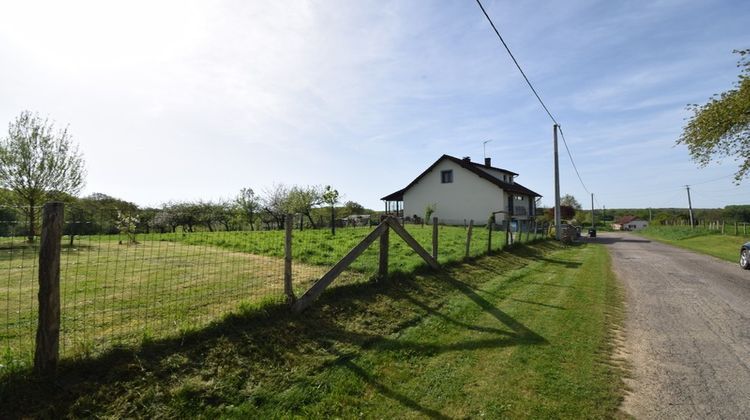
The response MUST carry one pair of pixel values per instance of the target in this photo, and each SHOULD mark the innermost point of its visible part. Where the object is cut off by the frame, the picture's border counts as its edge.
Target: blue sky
(196, 100)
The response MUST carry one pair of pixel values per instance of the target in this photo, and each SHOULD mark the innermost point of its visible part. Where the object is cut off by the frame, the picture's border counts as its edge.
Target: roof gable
(472, 167)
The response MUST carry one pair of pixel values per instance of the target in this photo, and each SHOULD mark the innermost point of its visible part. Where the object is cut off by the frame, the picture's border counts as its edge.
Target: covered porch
(394, 204)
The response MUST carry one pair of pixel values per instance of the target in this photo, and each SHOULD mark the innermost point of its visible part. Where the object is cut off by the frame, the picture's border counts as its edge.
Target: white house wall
(467, 197)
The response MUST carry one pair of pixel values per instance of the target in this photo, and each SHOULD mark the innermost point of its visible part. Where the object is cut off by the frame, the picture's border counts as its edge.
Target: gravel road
(687, 332)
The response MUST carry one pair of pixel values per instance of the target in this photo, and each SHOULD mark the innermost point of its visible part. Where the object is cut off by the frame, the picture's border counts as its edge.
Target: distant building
(462, 190)
(629, 223)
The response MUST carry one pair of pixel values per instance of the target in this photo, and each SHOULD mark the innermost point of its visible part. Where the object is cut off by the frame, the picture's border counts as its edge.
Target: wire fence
(120, 284)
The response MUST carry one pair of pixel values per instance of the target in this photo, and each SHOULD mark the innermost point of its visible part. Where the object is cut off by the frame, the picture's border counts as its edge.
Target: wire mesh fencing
(122, 281)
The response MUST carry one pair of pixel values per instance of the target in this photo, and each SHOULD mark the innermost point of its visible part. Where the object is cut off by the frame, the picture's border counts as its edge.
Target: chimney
(466, 159)
(487, 162)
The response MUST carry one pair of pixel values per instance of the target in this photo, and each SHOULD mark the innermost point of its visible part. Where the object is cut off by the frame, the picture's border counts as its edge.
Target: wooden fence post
(48, 329)
(468, 238)
(383, 268)
(435, 238)
(489, 237)
(288, 290)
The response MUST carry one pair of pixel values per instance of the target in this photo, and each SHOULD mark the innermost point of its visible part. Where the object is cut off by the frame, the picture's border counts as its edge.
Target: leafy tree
(738, 213)
(331, 197)
(36, 159)
(302, 200)
(165, 220)
(352, 207)
(275, 205)
(566, 212)
(249, 204)
(570, 201)
(721, 127)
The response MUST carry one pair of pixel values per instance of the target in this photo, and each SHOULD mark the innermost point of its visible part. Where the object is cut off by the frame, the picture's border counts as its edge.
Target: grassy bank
(518, 334)
(725, 247)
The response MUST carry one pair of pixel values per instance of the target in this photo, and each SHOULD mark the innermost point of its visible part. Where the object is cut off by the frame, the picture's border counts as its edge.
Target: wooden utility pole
(48, 329)
(690, 207)
(557, 184)
(592, 211)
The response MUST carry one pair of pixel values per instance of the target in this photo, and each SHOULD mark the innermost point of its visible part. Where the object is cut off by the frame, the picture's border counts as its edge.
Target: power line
(541, 102)
(516, 62)
(571, 159)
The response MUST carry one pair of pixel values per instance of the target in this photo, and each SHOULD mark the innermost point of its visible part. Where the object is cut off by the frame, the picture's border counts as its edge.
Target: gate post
(48, 329)
(383, 267)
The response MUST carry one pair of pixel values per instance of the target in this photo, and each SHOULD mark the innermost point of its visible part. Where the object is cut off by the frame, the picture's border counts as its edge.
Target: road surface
(687, 331)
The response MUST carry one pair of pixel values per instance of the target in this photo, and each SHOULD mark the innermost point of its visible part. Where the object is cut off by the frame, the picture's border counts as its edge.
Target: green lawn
(113, 293)
(725, 247)
(523, 334)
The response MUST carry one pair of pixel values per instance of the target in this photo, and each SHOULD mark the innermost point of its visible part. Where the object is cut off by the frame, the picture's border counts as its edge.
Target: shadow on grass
(270, 345)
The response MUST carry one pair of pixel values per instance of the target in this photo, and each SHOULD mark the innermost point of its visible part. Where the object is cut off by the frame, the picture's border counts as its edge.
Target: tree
(570, 201)
(352, 207)
(302, 200)
(566, 212)
(331, 197)
(36, 159)
(721, 127)
(275, 205)
(249, 204)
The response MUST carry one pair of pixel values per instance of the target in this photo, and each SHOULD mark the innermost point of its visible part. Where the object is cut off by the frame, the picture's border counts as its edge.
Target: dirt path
(687, 330)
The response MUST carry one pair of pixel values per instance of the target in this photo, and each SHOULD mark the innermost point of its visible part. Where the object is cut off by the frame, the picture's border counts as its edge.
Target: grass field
(114, 294)
(522, 334)
(726, 247)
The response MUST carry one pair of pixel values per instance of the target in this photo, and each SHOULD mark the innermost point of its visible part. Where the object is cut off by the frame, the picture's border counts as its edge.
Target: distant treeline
(103, 214)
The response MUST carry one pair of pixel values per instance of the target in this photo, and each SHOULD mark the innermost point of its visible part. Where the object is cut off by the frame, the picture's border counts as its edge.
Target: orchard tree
(249, 204)
(275, 204)
(331, 197)
(302, 199)
(36, 159)
(721, 127)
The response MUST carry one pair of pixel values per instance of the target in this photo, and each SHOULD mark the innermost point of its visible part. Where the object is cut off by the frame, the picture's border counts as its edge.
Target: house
(629, 223)
(460, 190)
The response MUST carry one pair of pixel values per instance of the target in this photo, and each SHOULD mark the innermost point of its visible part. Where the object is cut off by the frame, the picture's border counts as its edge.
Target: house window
(446, 177)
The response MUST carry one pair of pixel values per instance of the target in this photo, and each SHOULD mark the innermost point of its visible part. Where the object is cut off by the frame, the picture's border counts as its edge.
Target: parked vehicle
(745, 256)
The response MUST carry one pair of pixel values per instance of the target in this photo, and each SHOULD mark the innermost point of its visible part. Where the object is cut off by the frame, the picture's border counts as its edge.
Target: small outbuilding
(629, 223)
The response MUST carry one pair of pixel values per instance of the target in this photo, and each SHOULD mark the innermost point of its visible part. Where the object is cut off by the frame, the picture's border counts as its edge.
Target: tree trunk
(312, 223)
(32, 221)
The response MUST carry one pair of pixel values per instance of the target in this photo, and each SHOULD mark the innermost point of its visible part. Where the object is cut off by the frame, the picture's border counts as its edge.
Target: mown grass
(710, 242)
(113, 293)
(517, 334)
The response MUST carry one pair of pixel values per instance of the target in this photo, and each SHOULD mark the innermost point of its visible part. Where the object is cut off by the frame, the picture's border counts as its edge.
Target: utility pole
(690, 206)
(557, 185)
(592, 211)
(649, 215)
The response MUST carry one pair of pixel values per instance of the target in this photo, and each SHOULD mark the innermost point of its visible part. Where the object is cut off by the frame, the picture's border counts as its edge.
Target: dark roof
(396, 196)
(627, 219)
(471, 167)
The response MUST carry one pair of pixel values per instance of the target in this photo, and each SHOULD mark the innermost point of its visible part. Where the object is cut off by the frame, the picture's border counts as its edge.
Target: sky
(187, 100)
